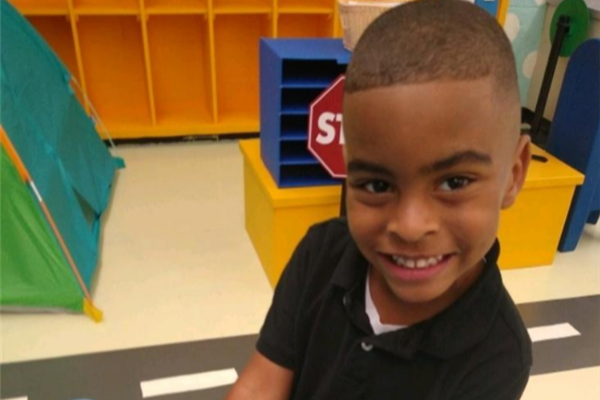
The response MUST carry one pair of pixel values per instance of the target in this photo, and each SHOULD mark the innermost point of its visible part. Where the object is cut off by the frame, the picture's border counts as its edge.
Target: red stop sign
(325, 133)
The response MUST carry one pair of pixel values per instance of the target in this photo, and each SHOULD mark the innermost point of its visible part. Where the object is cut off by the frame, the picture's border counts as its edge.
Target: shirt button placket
(346, 300)
(366, 346)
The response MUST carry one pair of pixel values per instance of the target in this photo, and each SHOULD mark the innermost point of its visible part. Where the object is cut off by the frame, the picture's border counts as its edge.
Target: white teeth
(416, 262)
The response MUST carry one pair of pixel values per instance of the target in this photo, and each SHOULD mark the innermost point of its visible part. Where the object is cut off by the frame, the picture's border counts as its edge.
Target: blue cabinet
(293, 73)
(490, 6)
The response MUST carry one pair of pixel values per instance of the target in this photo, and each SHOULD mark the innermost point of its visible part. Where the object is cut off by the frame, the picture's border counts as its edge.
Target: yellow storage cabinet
(530, 230)
(276, 219)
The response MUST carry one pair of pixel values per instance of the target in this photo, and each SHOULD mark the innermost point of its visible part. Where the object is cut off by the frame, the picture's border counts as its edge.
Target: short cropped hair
(432, 40)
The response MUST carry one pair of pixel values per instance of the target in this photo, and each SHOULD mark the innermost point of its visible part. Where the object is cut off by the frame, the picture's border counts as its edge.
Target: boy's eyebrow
(365, 166)
(470, 156)
(466, 156)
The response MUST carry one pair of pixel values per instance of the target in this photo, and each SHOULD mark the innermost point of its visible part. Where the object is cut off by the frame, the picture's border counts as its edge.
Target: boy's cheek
(478, 224)
(365, 223)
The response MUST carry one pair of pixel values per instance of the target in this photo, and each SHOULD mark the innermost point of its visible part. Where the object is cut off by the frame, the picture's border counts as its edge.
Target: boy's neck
(395, 311)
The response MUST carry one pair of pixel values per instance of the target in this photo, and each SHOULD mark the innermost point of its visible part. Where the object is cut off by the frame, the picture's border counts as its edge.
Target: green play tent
(56, 178)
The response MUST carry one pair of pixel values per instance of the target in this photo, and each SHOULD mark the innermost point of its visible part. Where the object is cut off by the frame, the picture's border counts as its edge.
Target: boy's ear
(518, 172)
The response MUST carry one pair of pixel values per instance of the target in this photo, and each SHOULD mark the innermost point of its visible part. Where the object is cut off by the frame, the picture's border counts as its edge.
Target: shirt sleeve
(498, 379)
(277, 336)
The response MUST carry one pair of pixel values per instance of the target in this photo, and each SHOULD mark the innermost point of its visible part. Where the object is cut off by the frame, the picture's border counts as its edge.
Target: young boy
(404, 300)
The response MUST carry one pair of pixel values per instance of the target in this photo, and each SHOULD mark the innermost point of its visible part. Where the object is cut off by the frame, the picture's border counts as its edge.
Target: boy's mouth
(416, 262)
(417, 268)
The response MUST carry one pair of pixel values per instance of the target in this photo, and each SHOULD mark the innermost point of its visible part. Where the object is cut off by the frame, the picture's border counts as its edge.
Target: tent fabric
(30, 254)
(55, 139)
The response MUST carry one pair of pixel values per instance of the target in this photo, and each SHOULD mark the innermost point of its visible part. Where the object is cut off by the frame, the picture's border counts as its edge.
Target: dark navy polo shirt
(478, 348)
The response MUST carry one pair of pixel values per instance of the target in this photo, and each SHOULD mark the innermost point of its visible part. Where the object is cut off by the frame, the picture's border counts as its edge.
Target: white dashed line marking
(552, 332)
(188, 383)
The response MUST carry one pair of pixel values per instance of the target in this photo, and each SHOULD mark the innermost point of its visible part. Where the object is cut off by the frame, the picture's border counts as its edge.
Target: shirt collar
(456, 329)
(351, 269)
(468, 321)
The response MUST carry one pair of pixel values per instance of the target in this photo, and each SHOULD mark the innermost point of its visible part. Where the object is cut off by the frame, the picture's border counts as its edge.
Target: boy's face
(430, 166)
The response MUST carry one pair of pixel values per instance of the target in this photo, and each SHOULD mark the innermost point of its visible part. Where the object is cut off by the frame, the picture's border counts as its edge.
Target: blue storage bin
(293, 73)
(490, 6)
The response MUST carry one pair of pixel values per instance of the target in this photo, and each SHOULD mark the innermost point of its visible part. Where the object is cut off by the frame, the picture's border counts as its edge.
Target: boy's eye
(376, 187)
(455, 183)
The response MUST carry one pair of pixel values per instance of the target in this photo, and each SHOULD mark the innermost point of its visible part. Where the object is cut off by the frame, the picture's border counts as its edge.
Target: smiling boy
(404, 300)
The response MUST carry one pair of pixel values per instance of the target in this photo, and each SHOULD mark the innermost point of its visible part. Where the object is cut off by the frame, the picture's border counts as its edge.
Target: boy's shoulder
(333, 229)
(326, 255)
(516, 331)
(328, 240)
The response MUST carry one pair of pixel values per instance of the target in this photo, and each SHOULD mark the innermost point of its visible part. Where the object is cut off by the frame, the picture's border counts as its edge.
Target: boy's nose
(412, 220)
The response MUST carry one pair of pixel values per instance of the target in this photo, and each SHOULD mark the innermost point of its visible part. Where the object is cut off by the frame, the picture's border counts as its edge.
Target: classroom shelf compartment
(296, 176)
(296, 153)
(311, 73)
(243, 6)
(169, 68)
(293, 74)
(107, 7)
(305, 26)
(298, 99)
(294, 127)
(41, 7)
(153, 7)
(302, 6)
(236, 59)
(115, 71)
(181, 78)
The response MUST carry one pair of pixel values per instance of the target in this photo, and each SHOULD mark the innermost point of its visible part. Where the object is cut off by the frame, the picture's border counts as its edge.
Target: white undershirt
(373, 314)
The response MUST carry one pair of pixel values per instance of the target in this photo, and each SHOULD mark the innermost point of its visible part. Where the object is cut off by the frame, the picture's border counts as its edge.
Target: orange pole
(16, 159)
(502, 11)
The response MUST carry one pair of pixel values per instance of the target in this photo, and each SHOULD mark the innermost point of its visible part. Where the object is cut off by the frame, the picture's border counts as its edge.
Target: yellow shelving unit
(165, 68)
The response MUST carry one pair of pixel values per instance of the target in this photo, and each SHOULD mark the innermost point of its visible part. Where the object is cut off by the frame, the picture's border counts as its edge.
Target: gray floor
(568, 353)
(116, 375)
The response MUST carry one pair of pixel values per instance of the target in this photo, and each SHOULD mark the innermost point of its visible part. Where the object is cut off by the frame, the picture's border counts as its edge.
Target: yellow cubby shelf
(106, 7)
(42, 7)
(243, 6)
(168, 68)
(306, 10)
(236, 60)
(226, 10)
(114, 68)
(176, 7)
(299, 4)
(304, 25)
(176, 128)
(181, 80)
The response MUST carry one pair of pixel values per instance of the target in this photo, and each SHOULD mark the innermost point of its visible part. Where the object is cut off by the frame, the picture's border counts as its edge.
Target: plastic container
(356, 16)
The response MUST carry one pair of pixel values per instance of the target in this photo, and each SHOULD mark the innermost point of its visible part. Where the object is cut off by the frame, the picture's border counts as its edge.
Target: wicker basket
(356, 16)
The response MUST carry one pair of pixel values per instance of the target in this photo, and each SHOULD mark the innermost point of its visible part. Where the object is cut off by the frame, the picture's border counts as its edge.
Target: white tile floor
(178, 266)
